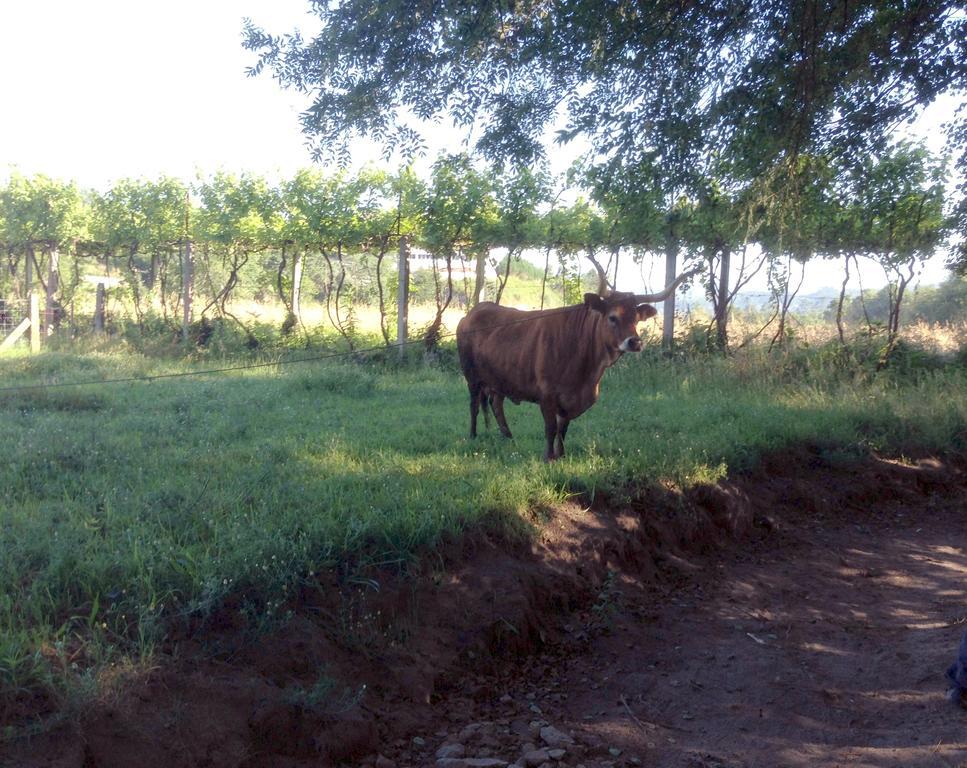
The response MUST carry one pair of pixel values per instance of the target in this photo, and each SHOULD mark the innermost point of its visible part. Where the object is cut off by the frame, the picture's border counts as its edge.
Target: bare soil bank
(802, 614)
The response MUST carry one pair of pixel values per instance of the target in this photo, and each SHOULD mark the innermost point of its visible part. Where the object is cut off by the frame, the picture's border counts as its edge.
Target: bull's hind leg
(484, 399)
(497, 406)
(562, 424)
(475, 395)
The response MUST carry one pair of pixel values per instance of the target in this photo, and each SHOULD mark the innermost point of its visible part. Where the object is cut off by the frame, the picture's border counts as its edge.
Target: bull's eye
(613, 319)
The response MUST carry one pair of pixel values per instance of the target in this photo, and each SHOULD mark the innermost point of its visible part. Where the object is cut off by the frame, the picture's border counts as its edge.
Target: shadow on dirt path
(822, 641)
(823, 645)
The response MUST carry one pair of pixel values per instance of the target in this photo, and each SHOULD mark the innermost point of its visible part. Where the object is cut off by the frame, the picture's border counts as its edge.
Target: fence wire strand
(148, 378)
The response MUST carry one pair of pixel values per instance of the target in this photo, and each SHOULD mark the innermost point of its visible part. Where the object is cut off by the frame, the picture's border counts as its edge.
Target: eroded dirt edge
(363, 668)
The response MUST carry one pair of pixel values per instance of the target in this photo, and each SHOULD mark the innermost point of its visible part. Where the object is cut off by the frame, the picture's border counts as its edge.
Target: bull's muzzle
(631, 344)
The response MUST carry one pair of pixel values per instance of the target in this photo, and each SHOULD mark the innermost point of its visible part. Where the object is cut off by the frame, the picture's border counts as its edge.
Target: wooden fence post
(99, 309)
(53, 279)
(402, 296)
(34, 323)
(668, 318)
(187, 275)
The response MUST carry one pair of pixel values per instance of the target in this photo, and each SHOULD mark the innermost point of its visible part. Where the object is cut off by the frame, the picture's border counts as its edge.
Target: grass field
(128, 508)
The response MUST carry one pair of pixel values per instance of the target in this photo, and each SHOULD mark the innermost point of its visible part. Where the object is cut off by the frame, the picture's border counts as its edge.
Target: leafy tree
(679, 86)
(795, 226)
(901, 198)
(957, 143)
(41, 218)
(40, 211)
(297, 237)
(645, 215)
(577, 230)
(517, 226)
(947, 303)
(331, 214)
(145, 222)
(459, 215)
(238, 216)
(553, 227)
(715, 230)
(632, 210)
(408, 193)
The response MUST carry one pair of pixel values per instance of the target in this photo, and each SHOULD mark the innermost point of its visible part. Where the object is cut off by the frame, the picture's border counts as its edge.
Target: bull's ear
(645, 311)
(595, 302)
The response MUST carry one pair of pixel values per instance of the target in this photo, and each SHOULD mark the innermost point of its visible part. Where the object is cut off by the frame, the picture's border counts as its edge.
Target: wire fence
(354, 354)
(12, 313)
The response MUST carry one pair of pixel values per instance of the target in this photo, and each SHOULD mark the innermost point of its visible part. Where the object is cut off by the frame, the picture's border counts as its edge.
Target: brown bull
(552, 357)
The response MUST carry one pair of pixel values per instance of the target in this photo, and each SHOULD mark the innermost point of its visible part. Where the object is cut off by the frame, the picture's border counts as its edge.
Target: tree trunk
(431, 338)
(28, 271)
(345, 324)
(839, 306)
(187, 280)
(135, 287)
(480, 282)
(893, 322)
(502, 281)
(786, 301)
(153, 274)
(668, 316)
(402, 295)
(722, 304)
(298, 262)
(380, 255)
(547, 266)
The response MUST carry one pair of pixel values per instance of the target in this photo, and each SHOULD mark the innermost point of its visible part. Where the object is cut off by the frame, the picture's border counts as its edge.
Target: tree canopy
(681, 85)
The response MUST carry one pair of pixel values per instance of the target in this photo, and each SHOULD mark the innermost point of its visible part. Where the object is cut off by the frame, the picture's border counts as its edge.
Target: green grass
(127, 509)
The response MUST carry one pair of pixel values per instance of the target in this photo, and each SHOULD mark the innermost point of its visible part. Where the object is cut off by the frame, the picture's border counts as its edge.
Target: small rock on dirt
(554, 738)
(451, 749)
(534, 758)
(476, 730)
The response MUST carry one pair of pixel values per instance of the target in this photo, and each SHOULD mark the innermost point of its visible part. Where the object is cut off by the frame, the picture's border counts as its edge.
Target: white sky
(108, 89)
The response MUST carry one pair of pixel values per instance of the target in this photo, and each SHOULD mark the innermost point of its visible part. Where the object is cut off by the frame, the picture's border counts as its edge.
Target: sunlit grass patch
(126, 509)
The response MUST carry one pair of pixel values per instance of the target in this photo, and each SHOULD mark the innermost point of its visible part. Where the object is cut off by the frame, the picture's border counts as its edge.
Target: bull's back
(501, 347)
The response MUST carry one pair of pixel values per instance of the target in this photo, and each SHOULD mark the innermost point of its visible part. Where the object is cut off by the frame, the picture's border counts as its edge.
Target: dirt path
(802, 615)
(822, 643)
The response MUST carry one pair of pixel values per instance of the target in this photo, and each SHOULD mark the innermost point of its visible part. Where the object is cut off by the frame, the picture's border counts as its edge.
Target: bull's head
(623, 311)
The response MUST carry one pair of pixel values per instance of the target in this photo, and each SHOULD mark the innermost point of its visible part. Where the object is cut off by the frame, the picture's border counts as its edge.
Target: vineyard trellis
(176, 260)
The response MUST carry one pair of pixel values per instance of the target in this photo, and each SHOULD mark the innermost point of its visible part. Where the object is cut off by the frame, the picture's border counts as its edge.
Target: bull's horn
(650, 298)
(604, 287)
